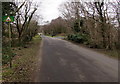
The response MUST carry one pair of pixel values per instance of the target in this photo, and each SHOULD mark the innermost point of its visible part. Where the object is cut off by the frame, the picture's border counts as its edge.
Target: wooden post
(10, 44)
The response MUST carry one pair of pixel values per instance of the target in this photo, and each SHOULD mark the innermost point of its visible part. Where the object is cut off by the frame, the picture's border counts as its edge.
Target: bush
(80, 38)
(7, 55)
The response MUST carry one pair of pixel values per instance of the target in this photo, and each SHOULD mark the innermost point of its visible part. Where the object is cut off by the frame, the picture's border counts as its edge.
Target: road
(62, 61)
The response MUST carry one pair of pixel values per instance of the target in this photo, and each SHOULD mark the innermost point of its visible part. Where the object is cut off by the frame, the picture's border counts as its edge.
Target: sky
(48, 9)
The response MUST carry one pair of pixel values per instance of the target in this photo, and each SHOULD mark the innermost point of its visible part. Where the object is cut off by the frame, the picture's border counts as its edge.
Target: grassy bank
(110, 53)
(23, 63)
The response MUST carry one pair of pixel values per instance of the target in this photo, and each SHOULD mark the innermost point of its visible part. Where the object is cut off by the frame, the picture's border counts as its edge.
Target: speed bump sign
(8, 19)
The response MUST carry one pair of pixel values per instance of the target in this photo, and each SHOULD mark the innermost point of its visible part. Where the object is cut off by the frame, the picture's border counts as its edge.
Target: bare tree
(116, 7)
(100, 8)
(23, 18)
(102, 31)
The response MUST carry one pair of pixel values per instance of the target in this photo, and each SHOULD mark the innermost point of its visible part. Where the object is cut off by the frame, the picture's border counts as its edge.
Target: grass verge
(110, 53)
(23, 64)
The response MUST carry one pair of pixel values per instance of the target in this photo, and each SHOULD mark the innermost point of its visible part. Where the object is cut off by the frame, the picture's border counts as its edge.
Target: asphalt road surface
(62, 61)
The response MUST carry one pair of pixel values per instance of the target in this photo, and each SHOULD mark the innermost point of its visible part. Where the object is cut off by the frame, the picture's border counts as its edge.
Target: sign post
(10, 43)
(9, 19)
(9, 34)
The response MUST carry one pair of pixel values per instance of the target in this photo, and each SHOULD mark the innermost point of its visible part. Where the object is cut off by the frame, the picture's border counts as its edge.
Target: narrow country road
(62, 61)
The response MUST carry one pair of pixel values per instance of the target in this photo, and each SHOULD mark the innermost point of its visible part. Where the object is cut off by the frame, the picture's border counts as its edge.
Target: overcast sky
(49, 9)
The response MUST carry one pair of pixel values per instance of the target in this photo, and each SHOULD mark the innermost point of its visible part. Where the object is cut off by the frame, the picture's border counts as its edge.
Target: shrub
(7, 55)
(80, 38)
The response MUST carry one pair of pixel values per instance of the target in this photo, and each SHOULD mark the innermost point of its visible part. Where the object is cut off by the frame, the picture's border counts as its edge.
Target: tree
(56, 27)
(100, 6)
(96, 20)
(23, 18)
(116, 8)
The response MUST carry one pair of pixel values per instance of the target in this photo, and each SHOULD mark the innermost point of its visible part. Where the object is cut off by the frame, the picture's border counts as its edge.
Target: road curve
(62, 61)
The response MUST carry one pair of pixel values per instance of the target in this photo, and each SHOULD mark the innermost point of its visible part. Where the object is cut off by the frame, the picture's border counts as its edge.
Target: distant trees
(55, 27)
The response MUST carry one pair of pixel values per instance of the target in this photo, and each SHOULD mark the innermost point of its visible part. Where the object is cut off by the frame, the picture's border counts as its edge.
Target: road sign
(8, 19)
